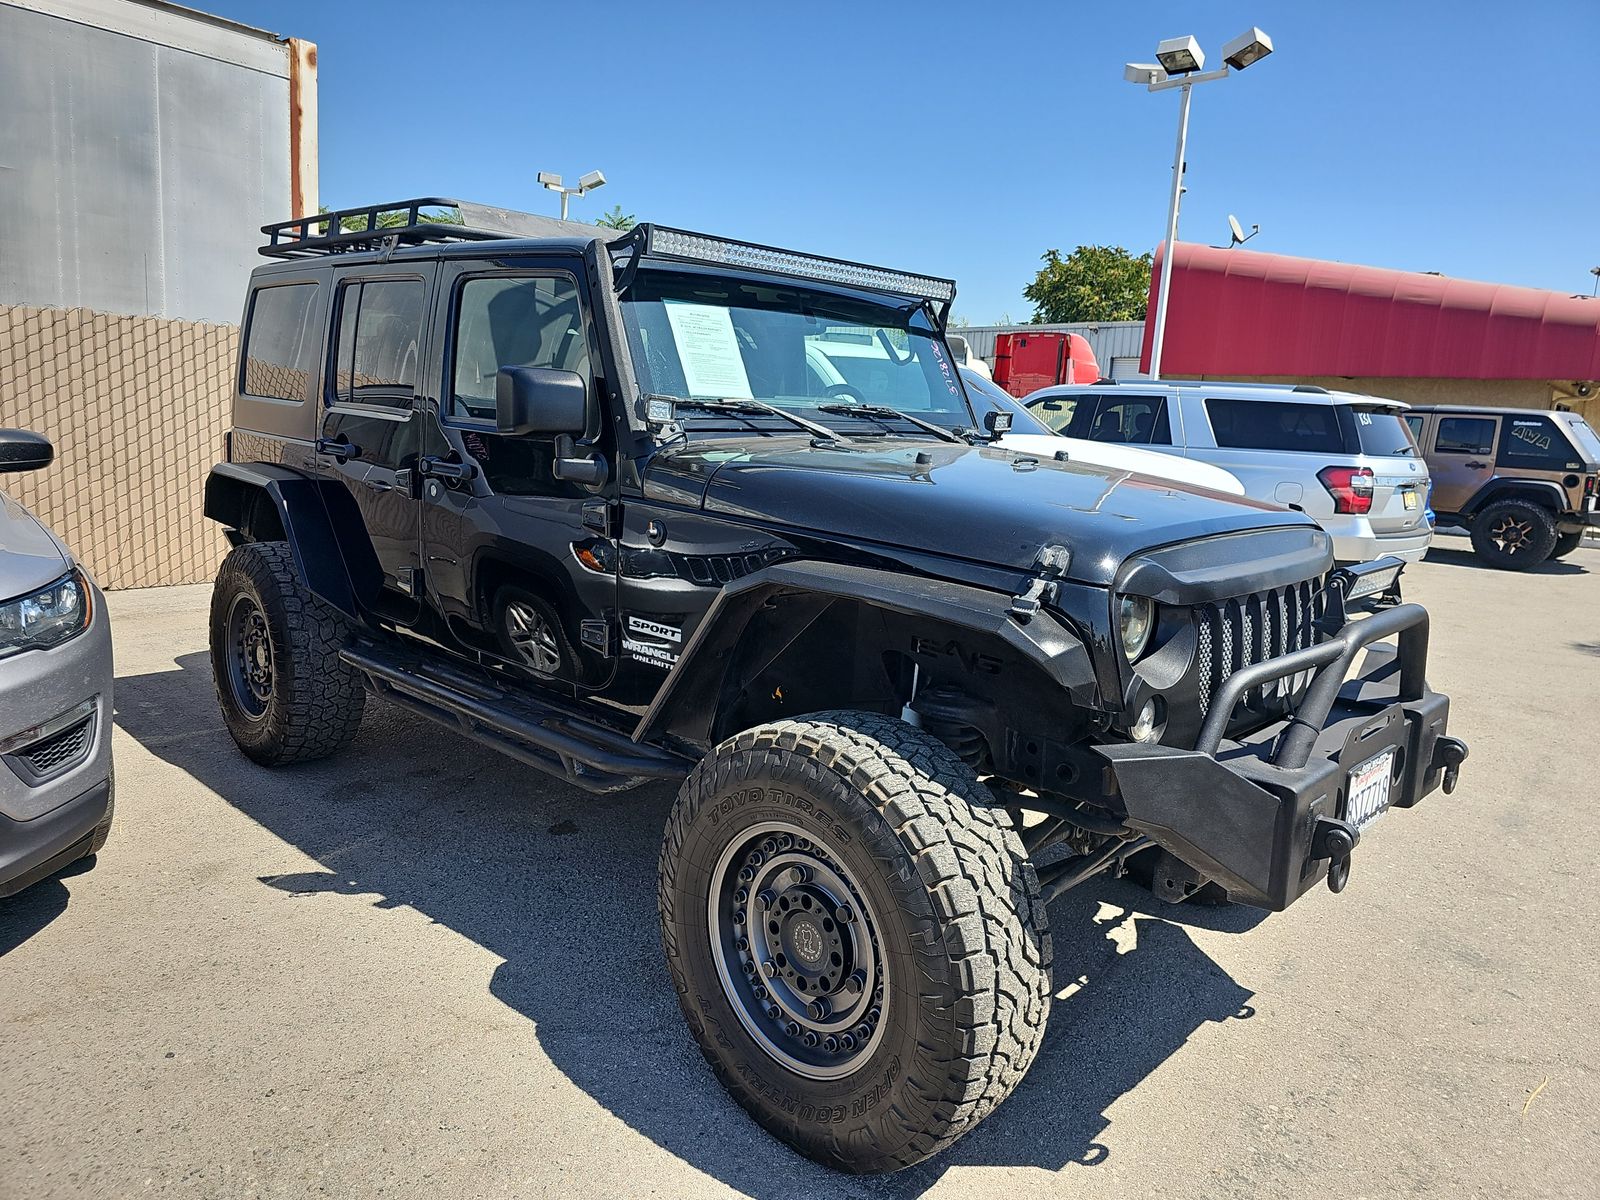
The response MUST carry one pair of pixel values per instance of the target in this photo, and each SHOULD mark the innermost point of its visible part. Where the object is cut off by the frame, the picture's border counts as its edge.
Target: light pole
(594, 179)
(1178, 65)
(1595, 271)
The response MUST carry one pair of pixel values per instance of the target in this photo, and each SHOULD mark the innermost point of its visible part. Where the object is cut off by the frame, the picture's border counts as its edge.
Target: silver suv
(55, 681)
(1346, 460)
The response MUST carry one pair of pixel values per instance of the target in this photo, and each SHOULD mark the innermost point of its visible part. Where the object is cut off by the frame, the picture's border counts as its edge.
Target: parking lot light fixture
(1182, 61)
(1251, 46)
(586, 184)
(1179, 56)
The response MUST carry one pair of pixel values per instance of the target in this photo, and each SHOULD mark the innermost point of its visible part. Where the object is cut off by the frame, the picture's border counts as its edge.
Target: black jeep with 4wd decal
(658, 505)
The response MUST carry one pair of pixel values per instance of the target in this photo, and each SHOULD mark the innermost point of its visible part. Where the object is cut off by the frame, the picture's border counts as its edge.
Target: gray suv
(1346, 460)
(55, 676)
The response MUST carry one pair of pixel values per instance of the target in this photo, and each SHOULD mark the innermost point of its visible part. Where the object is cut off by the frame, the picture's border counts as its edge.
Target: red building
(1421, 338)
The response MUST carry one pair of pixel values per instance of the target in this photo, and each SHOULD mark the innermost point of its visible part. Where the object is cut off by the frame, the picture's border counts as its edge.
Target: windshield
(1584, 435)
(1381, 432)
(697, 336)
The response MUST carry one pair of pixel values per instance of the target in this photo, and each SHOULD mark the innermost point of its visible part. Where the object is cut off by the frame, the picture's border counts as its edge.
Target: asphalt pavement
(420, 969)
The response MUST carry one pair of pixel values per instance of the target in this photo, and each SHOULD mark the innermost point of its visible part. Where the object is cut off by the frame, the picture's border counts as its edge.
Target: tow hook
(1450, 753)
(1334, 840)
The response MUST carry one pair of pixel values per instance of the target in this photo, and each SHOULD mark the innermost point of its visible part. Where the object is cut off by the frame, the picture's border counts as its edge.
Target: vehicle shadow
(560, 885)
(1466, 558)
(31, 910)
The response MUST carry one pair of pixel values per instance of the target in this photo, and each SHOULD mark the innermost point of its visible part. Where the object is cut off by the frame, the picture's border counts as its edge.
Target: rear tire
(284, 692)
(875, 856)
(1514, 535)
(1566, 543)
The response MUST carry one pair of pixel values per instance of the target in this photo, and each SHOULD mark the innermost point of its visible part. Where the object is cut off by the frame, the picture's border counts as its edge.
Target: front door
(1462, 459)
(511, 548)
(370, 424)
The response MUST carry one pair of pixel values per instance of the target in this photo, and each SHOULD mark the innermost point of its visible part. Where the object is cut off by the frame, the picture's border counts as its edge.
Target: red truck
(1026, 361)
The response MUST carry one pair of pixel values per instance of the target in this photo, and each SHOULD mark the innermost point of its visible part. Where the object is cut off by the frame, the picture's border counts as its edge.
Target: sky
(967, 139)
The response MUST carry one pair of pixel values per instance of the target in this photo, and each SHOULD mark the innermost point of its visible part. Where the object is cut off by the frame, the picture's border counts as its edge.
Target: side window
(1465, 435)
(1276, 425)
(1131, 421)
(1415, 424)
(375, 353)
(1057, 411)
(512, 321)
(279, 344)
(1535, 444)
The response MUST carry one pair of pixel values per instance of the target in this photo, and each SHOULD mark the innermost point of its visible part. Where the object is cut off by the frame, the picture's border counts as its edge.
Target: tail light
(1350, 487)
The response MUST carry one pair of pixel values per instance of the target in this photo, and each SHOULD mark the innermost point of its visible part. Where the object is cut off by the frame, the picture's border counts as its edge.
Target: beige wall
(136, 407)
(1512, 393)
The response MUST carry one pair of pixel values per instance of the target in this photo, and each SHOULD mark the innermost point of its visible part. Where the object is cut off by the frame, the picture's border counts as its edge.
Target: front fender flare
(692, 690)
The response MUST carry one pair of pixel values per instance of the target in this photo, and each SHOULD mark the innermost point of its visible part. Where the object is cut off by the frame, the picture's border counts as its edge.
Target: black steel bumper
(1266, 816)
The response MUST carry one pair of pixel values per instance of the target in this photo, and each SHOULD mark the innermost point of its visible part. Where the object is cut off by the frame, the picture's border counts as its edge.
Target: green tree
(1093, 283)
(616, 219)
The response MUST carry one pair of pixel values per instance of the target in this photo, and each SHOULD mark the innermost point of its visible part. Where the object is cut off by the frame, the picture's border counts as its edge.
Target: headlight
(1137, 617)
(45, 618)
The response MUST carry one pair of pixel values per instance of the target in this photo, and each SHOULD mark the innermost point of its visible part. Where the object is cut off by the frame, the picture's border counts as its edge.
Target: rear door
(1463, 458)
(370, 426)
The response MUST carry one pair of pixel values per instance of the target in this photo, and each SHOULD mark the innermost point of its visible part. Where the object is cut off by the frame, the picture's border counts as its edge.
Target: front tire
(1514, 535)
(856, 936)
(285, 694)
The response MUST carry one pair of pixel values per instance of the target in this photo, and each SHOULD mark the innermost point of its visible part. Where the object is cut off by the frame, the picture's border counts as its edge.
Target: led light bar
(1369, 579)
(698, 247)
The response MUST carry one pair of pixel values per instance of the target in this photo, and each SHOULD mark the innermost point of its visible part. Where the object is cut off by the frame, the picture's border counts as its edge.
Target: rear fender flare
(1541, 491)
(319, 520)
(687, 706)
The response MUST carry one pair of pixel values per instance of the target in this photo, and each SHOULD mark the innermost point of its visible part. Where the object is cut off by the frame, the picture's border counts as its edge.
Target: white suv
(1347, 460)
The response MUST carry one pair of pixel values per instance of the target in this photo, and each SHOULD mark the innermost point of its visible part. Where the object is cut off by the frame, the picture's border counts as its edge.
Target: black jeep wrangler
(646, 505)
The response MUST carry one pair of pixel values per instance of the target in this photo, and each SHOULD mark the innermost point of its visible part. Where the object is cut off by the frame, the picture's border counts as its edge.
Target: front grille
(1250, 629)
(56, 753)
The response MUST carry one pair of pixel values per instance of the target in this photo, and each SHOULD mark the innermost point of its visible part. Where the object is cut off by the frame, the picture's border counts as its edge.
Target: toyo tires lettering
(825, 1114)
(734, 801)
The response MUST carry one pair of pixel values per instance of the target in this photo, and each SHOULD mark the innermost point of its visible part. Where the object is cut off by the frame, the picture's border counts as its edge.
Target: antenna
(1236, 234)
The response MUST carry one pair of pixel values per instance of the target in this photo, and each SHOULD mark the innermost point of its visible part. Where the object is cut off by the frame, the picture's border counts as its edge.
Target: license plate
(1411, 500)
(1367, 796)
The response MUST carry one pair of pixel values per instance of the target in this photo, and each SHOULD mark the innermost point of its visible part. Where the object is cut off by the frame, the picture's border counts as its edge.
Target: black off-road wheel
(1514, 535)
(1566, 543)
(285, 695)
(856, 936)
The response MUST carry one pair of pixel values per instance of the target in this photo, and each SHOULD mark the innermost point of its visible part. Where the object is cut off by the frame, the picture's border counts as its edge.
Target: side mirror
(540, 400)
(21, 450)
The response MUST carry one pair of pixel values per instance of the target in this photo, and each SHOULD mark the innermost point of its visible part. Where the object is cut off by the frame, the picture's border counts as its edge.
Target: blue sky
(966, 139)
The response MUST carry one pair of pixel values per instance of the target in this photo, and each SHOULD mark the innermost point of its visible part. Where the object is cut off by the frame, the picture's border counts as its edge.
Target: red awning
(1241, 312)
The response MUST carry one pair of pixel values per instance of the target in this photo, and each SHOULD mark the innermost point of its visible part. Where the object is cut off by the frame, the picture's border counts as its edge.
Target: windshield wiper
(883, 412)
(746, 407)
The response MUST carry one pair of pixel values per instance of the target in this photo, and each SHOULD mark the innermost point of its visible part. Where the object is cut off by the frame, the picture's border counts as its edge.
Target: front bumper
(1266, 816)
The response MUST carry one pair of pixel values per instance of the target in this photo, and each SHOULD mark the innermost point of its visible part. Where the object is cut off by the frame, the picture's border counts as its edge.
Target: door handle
(338, 449)
(1477, 465)
(438, 468)
(378, 485)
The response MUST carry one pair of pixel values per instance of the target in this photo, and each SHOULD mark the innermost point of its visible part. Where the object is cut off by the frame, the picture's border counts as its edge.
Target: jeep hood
(979, 503)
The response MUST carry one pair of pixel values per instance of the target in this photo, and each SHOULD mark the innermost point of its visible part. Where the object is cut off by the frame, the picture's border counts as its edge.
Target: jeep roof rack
(413, 223)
